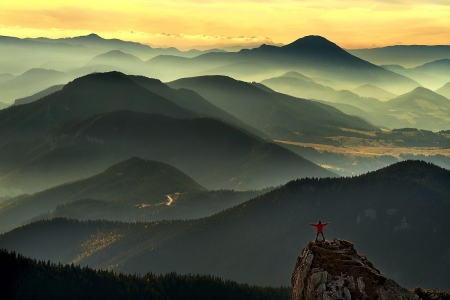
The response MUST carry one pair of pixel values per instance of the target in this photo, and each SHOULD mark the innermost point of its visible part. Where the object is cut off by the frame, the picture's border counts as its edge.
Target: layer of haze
(184, 24)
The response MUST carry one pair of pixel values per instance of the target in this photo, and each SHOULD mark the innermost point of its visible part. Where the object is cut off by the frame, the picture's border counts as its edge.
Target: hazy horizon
(232, 45)
(352, 25)
(204, 137)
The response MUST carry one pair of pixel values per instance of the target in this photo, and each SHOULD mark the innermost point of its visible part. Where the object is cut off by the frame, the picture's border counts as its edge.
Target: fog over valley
(158, 173)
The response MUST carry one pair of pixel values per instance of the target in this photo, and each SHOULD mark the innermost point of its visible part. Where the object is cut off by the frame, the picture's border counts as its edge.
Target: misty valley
(131, 171)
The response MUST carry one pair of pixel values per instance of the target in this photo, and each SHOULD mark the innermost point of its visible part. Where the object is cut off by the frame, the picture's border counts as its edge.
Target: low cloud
(214, 37)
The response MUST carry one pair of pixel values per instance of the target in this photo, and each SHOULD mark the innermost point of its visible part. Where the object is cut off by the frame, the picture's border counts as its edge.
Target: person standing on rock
(319, 226)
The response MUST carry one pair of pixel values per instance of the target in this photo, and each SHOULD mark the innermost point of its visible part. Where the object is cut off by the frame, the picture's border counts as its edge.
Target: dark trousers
(317, 236)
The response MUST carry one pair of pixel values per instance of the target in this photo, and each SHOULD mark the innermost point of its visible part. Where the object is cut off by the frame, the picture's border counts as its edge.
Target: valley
(138, 161)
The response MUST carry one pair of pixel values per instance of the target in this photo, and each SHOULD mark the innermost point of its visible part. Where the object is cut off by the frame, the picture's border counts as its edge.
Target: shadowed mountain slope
(20, 55)
(39, 95)
(444, 90)
(384, 212)
(122, 61)
(96, 43)
(421, 108)
(406, 55)
(30, 82)
(311, 55)
(115, 56)
(215, 154)
(88, 95)
(439, 68)
(277, 115)
(130, 183)
(311, 90)
(132, 190)
(426, 80)
(371, 91)
(192, 101)
(249, 71)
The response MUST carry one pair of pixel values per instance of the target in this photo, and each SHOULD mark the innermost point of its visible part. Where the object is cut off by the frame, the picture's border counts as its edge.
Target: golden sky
(187, 23)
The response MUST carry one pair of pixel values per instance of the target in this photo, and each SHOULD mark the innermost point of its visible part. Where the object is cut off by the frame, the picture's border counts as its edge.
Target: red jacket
(320, 226)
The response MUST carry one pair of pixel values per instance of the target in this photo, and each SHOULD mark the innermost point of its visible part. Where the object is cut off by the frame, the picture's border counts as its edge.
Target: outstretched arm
(325, 224)
(313, 224)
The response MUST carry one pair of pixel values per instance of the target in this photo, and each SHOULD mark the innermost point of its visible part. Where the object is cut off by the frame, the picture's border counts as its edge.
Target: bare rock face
(334, 270)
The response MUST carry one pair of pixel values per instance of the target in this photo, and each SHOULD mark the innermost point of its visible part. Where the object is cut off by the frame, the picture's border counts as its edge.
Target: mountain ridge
(244, 242)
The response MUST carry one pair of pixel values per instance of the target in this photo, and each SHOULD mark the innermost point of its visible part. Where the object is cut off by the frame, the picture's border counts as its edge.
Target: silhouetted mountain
(439, 68)
(405, 55)
(403, 206)
(96, 43)
(377, 117)
(312, 56)
(25, 278)
(297, 75)
(39, 95)
(247, 71)
(118, 59)
(175, 207)
(279, 116)
(192, 101)
(64, 65)
(322, 81)
(426, 80)
(422, 108)
(444, 90)
(85, 96)
(20, 55)
(311, 90)
(133, 190)
(371, 91)
(130, 183)
(215, 154)
(262, 87)
(90, 69)
(30, 82)
(3, 105)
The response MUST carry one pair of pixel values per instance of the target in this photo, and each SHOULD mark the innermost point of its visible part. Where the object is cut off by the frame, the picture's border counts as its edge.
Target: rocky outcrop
(334, 270)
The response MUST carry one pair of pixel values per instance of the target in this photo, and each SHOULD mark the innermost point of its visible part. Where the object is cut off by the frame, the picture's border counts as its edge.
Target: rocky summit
(334, 270)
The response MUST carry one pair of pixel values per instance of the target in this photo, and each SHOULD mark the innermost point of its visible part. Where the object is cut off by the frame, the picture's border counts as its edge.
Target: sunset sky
(187, 23)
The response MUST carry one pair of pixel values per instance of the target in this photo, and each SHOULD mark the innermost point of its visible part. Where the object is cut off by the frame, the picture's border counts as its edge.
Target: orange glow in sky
(187, 23)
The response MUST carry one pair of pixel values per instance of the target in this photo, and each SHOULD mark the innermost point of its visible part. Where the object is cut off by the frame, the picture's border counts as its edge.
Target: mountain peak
(93, 36)
(424, 92)
(334, 270)
(312, 40)
(106, 76)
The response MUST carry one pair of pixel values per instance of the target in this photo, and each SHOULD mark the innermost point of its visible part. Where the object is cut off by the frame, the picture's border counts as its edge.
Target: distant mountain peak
(437, 62)
(312, 40)
(423, 92)
(116, 51)
(421, 89)
(93, 36)
(108, 76)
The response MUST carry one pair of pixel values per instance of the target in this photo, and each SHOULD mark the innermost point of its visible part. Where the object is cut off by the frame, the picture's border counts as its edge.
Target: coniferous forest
(25, 278)
(178, 150)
